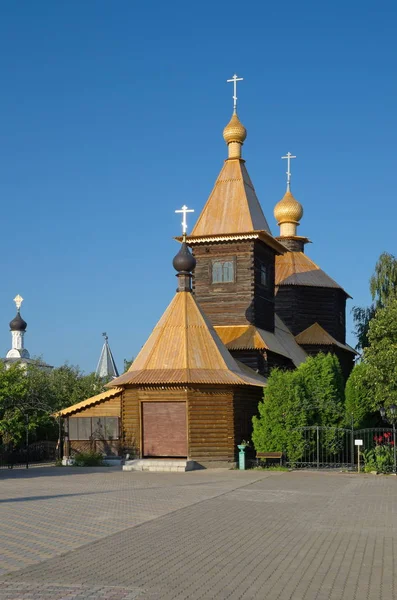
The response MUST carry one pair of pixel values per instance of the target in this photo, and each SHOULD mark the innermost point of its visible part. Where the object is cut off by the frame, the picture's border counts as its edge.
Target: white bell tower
(18, 328)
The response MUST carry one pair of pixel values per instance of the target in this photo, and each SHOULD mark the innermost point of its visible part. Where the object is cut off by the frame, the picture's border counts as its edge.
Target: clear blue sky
(112, 116)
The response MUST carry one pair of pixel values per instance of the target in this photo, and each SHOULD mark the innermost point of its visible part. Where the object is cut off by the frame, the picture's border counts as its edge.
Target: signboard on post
(358, 443)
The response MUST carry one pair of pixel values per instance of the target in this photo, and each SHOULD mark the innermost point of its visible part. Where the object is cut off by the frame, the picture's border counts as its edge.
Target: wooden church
(246, 302)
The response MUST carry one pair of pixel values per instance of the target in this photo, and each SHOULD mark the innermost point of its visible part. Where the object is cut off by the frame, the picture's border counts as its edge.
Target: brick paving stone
(203, 535)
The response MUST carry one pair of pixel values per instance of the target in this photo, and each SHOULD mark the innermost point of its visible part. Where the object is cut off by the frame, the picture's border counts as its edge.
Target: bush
(380, 458)
(88, 459)
(313, 394)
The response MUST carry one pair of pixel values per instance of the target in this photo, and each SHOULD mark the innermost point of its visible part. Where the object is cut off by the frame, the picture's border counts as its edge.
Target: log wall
(211, 425)
(246, 400)
(245, 300)
(217, 418)
(302, 306)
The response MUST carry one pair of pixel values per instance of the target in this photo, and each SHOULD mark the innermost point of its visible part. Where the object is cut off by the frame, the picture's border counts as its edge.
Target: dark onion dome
(184, 261)
(18, 324)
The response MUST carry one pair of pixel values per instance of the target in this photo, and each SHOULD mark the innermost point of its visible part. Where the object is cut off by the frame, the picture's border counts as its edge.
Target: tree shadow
(51, 471)
(34, 498)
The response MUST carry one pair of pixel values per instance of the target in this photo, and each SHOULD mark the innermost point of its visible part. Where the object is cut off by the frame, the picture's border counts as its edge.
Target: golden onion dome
(234, 131)
(288, 210)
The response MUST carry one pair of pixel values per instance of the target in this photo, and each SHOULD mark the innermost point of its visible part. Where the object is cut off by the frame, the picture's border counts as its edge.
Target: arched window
(222, 271)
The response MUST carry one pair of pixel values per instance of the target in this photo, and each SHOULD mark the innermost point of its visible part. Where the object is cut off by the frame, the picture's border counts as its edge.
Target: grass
(272, 468)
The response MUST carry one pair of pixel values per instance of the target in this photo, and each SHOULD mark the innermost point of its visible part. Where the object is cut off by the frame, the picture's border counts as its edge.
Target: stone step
(159, 466)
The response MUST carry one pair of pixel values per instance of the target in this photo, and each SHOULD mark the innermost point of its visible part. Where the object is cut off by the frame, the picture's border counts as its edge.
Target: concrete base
(112, 461)
(159, 465)
(67, 462)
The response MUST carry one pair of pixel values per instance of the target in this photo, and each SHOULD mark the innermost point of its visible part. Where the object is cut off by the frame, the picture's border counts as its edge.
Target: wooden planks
(300, 306)
(210, 418)
(246, 299)
(107, 408)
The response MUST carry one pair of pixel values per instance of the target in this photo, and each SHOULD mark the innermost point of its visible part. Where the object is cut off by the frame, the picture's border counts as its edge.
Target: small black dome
(184, 260)
(18, 324)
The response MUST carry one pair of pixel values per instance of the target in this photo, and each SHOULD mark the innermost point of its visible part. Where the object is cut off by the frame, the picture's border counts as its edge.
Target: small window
(94, 428)
(84, 428)
(80, 428)
(264, 275)
(73, 429)
(98, 427)
(112, 428)
(223, 271)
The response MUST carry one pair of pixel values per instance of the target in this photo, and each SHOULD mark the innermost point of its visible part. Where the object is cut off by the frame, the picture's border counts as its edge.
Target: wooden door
(164, 429)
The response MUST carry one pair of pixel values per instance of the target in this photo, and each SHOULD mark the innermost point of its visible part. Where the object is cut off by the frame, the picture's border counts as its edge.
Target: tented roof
(184, 348)
(233, 206)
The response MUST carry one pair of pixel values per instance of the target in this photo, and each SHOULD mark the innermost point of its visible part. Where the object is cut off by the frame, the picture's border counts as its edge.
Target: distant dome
(234, 131)
(18, 324)
(288, 210)
(184, 260)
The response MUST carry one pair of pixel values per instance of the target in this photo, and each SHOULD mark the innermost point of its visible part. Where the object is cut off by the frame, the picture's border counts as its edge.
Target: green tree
(25, 396)
(323, 383)
(69, 385)
(280, 414)
(313, 394)
(38, 394)
(362, 317)
(381, 356)
(359, 403)
(383, 285)
(128, 363)
(383, 282)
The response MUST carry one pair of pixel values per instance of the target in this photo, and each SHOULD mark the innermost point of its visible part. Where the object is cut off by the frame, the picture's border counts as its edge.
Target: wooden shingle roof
(232, 207)
(295, 268)
(184, 348)
(248, 337)
(315, 335)
(108, 395)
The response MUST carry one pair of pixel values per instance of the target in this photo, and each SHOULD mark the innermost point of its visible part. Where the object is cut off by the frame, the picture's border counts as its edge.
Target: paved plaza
(69, 534)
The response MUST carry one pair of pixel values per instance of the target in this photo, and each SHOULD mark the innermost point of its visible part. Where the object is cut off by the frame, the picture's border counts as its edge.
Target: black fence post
(27, 439)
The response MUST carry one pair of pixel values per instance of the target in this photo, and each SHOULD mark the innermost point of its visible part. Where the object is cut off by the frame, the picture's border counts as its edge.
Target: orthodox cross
(288, 157)
(184, 210)
(235, 79)
(18, 301)
(105, 335)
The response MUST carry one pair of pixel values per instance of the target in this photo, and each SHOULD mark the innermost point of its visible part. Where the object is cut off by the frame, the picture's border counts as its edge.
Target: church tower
(311, 304)
(235, 251)
(106, 367)
(18, 328)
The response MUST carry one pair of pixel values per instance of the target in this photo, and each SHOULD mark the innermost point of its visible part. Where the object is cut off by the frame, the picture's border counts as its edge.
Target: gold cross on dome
(18, 301)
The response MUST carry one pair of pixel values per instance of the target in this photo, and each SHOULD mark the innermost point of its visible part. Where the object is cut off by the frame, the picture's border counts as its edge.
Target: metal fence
(36, 453)
(335, 448)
